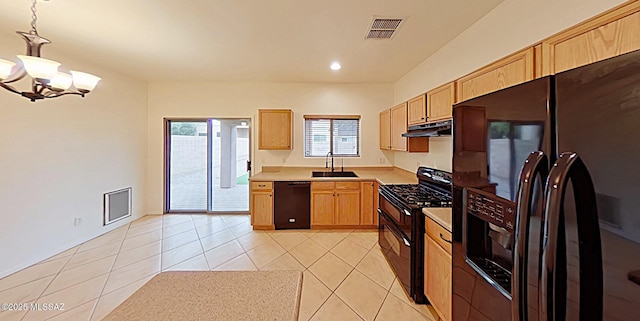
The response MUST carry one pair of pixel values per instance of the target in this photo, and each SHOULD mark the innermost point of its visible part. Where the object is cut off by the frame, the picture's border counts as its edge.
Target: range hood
(440, 128)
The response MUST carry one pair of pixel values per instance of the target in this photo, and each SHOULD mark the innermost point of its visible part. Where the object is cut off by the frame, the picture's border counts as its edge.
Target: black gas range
(419, 195)
(401, 229)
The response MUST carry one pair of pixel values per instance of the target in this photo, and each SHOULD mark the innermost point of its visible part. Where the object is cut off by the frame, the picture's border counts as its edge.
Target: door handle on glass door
(537, 162)
(552, 285)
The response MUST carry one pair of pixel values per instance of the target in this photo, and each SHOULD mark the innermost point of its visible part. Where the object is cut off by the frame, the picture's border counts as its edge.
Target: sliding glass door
(187, 155)
(206, 165)
(230, 174)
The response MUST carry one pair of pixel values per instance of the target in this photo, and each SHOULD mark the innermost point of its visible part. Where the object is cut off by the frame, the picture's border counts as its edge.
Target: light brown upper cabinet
(440, 102)
(610, 34)
(398, 127)
(275, 129)
(385, 129)
(393, 123)
(417, 110)
(506, 72)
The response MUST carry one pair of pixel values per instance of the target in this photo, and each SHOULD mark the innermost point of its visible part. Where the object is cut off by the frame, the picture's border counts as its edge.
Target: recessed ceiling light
(335, 66)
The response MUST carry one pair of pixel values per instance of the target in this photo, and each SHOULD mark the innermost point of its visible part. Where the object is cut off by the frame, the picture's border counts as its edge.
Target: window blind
(337, 134)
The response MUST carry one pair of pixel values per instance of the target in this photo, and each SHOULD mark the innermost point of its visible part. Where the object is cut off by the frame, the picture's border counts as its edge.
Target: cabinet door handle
(442, 237)
(262, 185)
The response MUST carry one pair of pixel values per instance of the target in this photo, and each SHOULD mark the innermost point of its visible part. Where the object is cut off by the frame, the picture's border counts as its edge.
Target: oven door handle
(404, 239)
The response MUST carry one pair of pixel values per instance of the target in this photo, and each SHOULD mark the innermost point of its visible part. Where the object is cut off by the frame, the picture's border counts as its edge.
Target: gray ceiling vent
(383, 28)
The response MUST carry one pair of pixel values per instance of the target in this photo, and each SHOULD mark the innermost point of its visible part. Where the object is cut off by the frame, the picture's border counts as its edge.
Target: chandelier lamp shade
(47, 80)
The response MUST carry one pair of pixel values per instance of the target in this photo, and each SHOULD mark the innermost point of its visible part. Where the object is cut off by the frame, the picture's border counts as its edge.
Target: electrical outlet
(77, 221)
(381, 160)
(284, 160)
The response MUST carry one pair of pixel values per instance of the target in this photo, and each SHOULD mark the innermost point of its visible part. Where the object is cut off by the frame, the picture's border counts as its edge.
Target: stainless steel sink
(333, 174)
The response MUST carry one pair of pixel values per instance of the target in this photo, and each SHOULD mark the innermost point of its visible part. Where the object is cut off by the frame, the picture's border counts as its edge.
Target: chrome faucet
(326, 162)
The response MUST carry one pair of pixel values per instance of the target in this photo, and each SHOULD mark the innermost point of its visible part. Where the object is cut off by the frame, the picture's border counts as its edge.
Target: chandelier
(46, 80)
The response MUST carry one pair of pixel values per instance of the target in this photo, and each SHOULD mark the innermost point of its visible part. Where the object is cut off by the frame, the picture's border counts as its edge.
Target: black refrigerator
(546, 211)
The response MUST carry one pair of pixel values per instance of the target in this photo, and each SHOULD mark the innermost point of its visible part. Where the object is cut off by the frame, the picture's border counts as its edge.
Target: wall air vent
(383, 28)
(117, 205)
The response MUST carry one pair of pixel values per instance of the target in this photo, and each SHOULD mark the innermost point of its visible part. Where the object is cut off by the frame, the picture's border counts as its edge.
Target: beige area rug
(215, 295)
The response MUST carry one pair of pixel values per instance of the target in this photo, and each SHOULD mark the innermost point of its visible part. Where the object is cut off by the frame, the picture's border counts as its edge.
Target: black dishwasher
(292, 205)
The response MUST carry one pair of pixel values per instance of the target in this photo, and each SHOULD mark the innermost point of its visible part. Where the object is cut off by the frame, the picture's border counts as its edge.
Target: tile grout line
(133, 248)
(316, 260)
(254, 263)
(234, 239)
(333, 292)
(383, 302)
(112, 270)
(201, 246)
(61, 269)
(49, 284)
(351, 272)
(187, 259)
(320, 307)
(305, 268)
(74, 308)
(28, 267)
(108, 277)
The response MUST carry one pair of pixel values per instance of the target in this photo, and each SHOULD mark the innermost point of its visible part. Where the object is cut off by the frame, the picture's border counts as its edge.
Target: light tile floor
(346, 277)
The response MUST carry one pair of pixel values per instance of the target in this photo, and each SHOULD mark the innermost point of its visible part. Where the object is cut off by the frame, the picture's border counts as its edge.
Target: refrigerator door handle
(553, 283)
(536, 164)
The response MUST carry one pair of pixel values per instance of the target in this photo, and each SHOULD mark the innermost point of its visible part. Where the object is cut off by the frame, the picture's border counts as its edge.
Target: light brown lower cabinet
(322, 207)
(369, 203)
(262, 205)
(437, 274)
(351, 204)
(348, 207)
(335, 204)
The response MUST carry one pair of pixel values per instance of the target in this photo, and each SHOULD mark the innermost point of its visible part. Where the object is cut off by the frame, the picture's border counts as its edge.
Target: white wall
(58, 157)
(242, 100)
(511, 26)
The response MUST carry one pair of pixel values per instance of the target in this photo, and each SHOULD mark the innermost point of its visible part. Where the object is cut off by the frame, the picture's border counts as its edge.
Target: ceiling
(241, 40)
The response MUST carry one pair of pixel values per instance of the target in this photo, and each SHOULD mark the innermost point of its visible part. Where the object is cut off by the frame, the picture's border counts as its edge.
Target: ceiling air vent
(383, 28)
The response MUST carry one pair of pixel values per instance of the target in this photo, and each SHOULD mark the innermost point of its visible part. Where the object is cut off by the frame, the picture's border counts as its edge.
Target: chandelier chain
(34, 18)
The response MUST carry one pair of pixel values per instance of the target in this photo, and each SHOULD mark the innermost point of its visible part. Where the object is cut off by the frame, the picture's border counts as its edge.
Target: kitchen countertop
(384, 175)
(440, 215)
(215, 295)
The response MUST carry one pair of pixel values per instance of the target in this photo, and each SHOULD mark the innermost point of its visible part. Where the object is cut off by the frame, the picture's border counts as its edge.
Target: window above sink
(336, 134)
